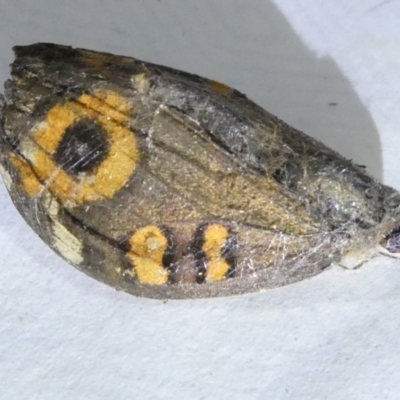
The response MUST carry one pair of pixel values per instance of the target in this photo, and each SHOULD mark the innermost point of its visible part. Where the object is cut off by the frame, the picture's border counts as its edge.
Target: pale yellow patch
(51, 205)
(215, 237)
(356, 257)
(63, 240)
(67, 244)
(141, 82)
(148, 246)
(6, 177)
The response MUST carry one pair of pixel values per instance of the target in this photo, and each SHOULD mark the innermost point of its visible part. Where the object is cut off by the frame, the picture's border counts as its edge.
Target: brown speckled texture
(207, 155)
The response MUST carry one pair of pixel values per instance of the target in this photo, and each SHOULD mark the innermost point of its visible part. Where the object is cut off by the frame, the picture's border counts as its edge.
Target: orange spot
(220, 88)
(50, 133)
(114, 101)
(31, 184)
(94, 60)
(215, 237)
(148, 246)
(104, 105)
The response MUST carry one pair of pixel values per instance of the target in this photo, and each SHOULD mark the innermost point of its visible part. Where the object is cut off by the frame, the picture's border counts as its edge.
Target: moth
(168, 185)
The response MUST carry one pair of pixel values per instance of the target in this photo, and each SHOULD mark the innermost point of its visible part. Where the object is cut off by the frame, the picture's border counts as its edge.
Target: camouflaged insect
(168, 185)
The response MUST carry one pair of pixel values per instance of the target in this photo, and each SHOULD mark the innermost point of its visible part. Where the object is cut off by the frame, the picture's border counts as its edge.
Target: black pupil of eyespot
(83, 147)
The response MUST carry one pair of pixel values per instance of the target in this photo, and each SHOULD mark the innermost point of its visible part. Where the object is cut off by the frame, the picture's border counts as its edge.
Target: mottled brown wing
(165, 184)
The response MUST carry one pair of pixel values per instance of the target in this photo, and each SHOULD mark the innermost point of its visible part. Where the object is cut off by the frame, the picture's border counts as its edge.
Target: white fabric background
(336, 336)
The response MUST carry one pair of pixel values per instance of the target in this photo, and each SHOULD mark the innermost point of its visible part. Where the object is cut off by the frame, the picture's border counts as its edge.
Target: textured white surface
(336, 336)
